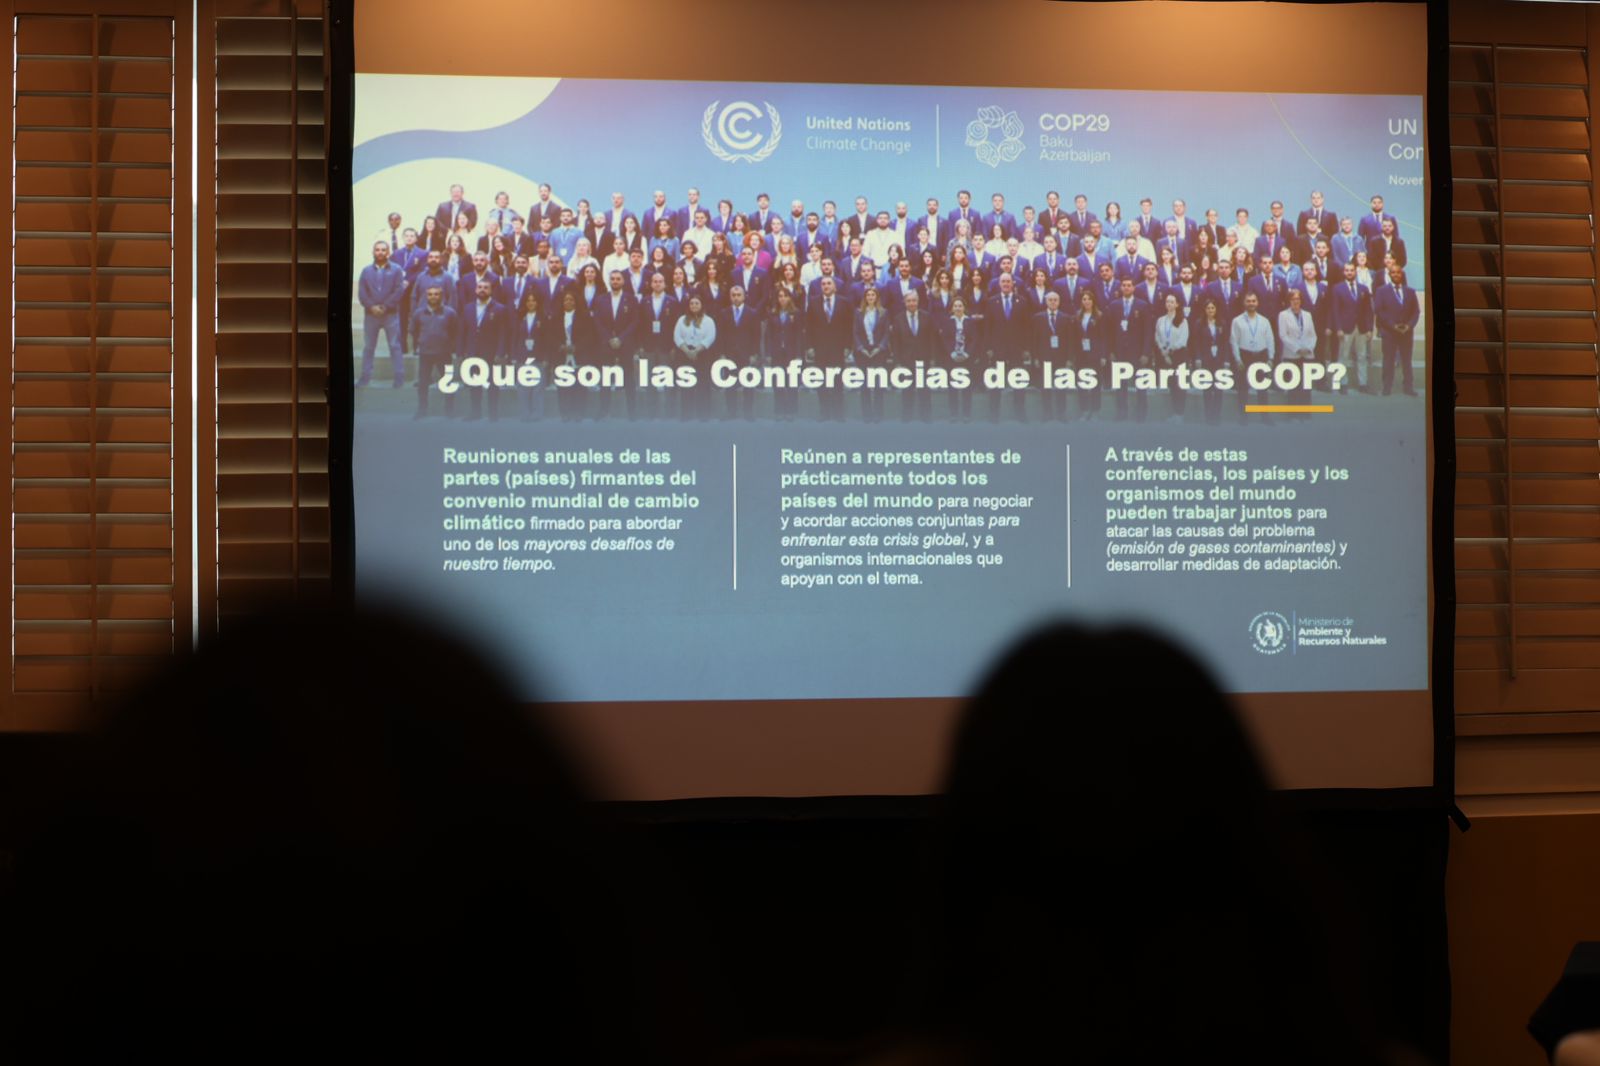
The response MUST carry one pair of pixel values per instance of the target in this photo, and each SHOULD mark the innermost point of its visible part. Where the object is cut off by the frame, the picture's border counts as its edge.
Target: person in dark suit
(1372, 223)
(655, 318)
(1219, 232)
(1106, 287)
(616, 340)
(1149, 225)
(1314, 299)
(571, 341)
(863, 220)
(524, 338)
(1397, 310)
(1269, 242)
(1351, 320)
(1151, 290)
(999, 216)
(914, 337)
(760, 219)
(1129, 263)
(482, 335)
(1271, 291)
(1387, 243)
(1008, 336)
(1228, 291)
(449, 212)
(739, 340)
(1050, 345)
(868, 279)
(783, 341)
(903, 284)
(812, 236)
(829, 338)
(1175, 241)
(1070, 285)
(468, 285)
(1052, 260)
(1091, 350)
(963, 212)
(939, 229)
(1081, 216)
(722, 221)
(870, 331)
(1187, 227)
(658, 210)
(1210, 349)
(1129, 322)
(752, 280)
(1050, 219)
(1327, 221)
(683, 217)
(544, 207)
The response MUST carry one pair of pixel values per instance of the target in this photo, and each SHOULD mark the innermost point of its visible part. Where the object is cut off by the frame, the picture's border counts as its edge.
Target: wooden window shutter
(99, 553)
(264, 271)
(1528, 439)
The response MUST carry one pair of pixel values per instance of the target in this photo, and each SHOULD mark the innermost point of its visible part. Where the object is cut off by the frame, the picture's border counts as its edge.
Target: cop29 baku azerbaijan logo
(1269, 632)
(729, 136)
(1008, 148)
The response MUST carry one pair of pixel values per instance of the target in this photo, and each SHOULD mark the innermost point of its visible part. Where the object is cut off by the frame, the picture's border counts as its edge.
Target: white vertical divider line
(194, 325)
(936, 136)
(1069, 516)
(736, 518)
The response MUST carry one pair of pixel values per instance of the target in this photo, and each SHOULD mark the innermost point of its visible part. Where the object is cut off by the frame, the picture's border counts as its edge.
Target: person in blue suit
(1397, 310)
(871, 349)
(1228, 291)
(1372, 223)
(616, 339)
(1090, 351)
(452, 209)
(1051, 330)
(1129, 263)
(914, 341)
(902, 284)
(1351, 320)
(964, 211)
(482, 334)
(1327, 222)
(1344, 245)
(1131, 327)
(656, 317)
(739, 340)
(999, 216)
(1081, 216)
(783, 341)
(1008, 334)
(658, 210)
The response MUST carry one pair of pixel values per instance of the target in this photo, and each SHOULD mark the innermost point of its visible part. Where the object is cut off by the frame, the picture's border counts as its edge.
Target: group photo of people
(966, 284)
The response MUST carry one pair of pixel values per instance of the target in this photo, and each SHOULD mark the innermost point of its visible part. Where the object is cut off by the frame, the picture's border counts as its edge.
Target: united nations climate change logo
(1269, 632)
(1008, 149)
(730, 129)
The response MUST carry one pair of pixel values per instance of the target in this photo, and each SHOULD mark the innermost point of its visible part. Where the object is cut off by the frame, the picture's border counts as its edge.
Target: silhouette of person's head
(323, 829)
(1112, 881)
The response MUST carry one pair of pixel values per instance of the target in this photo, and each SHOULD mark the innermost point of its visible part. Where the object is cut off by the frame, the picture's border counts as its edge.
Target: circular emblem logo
(1007, 147)
(1269, 632)
(730, 137)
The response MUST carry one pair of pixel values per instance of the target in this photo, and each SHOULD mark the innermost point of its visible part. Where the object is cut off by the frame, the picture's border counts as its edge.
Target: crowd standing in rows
(690, 284)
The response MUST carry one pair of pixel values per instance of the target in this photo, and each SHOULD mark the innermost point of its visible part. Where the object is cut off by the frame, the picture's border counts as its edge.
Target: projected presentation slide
(736, 391)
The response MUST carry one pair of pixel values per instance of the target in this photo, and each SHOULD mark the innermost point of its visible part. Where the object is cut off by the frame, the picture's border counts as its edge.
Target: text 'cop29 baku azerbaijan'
(811, 519)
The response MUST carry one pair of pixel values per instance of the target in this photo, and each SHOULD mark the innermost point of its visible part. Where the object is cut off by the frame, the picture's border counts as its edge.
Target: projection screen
(861, 340)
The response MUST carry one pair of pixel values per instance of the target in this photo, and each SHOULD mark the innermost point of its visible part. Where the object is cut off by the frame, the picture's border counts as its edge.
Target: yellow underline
(1288, 409)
